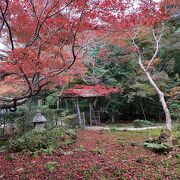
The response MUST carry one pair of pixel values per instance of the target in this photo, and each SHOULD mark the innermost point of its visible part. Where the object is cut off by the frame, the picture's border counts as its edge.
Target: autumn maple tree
(40, 39)
(40, 42)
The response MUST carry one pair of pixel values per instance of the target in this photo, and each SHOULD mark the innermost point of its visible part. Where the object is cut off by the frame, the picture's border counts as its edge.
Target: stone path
(97, 128)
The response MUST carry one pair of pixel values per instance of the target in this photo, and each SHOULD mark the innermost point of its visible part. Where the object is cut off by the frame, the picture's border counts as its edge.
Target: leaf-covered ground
(96, 155)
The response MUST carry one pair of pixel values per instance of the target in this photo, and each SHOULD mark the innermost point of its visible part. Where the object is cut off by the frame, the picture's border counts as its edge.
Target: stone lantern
(39, 121)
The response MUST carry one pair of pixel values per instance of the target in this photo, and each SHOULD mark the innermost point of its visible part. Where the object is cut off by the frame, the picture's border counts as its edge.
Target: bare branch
(157, 40)
(7, 24)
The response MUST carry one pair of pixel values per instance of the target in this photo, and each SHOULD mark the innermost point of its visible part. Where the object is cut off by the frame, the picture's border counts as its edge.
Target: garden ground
(95, 155)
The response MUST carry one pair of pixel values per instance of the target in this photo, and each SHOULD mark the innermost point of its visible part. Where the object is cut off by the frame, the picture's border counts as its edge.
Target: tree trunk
(78, 111)
(143, 111)
(160, 94)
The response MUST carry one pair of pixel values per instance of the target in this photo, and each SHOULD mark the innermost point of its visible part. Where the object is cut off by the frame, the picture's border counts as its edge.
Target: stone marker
(39, 121)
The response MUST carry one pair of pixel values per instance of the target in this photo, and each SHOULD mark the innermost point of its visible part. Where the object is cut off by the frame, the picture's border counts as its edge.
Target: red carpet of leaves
(96, 155)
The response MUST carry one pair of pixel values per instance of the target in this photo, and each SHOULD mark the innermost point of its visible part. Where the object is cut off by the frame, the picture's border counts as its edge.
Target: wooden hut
(86, 91)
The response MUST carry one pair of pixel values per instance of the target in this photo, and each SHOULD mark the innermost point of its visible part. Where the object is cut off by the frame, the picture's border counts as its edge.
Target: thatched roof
(89, 91)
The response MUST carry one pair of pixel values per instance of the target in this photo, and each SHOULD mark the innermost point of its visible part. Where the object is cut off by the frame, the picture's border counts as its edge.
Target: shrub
(133, 144)
(50, 166)
(148, 123)
(158, 148)
(9, 158)
(175, 110)
(98, 150)
(59, 117)
(121, 142)
(48, 151)
(3, 142)
(22, 119)
(141, 123)
(138, 123)
(69, 119)
(81, 148)
(36, 140)
(114, 129)
(140, 160)
(152, 141)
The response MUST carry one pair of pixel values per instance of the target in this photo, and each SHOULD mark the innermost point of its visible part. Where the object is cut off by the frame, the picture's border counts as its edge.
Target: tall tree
(157, 30)
(136, 23)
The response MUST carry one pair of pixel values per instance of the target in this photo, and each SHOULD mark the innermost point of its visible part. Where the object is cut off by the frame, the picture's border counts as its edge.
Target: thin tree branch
(157, 40)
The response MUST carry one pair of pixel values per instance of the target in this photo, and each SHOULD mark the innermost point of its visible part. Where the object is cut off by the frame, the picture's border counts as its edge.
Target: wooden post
(78, 111)
(99, 116)
(84, 119)
(58, 102)
(112, 118)
(90, 113)
(40, 102)
(67, 107)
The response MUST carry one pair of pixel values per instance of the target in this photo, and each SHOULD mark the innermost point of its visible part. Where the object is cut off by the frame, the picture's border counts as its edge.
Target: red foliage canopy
(40, 41)
(90, 91)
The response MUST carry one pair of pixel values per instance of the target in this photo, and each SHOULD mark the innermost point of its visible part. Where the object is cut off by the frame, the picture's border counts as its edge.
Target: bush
(36, 140)
(22, 119)
(98, 150)
(59, 117)
(69, 119)
(138, 123)
(140, 160)
(9, 158)
(50, 166)
(114, 129)
(158, 148)
(175, 110)
(141, 123)
(148, 123)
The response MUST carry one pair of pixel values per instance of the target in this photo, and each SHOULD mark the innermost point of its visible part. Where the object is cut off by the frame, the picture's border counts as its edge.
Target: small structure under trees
(89, 92)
